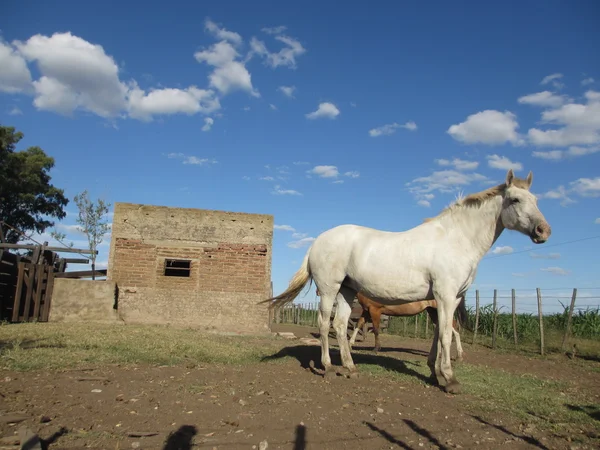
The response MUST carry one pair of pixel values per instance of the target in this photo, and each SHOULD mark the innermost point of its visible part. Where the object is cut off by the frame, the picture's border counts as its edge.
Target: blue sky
(374, 114)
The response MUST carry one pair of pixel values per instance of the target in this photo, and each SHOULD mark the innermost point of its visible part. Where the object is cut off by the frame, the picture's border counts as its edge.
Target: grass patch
(549, 405)
(35, 346)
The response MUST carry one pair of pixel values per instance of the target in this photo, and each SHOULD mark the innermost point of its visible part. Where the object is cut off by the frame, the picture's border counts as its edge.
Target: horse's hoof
(453, 388)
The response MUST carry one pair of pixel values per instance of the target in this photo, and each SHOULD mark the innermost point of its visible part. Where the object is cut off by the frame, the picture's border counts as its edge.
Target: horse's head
(520, 211)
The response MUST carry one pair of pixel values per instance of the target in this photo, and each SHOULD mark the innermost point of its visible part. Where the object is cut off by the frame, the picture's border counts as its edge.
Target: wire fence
(540, 320)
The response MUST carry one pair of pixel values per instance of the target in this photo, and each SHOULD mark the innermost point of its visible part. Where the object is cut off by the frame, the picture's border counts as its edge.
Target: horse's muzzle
(541, 233)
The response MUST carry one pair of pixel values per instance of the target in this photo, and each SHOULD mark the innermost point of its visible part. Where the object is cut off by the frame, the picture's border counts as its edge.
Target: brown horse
(372, 312)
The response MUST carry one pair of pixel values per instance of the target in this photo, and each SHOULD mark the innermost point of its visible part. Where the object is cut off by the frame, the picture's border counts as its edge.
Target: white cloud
(284, 228)
(279, 191)
(285, 57)
(229, 74)
(287, 90)
(560, 193)
(487, 127)
(222, 33)
(268, 178)
(304, 242)
(586, 187)
(545, 255)
(458, 164)
(324, 171)
(579, 124)
(15, 112)
(273, 107)
(391, 128)
(572, 152)
(500, 250)
(587, 81)
(246, 178)
(554, 80)
(325, 110)
(208, 123)
(597, 221)
(503, 163)
(14, 73)
(297, 235)
(424, 203)
(544, 99)
(556, 271)
(445, 181)
(144, 106)
(274, 30)
(352, 174)
(75, 75)
(191, 160)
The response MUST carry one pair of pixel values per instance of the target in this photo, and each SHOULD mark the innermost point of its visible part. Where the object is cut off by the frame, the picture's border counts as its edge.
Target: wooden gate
(33, 293)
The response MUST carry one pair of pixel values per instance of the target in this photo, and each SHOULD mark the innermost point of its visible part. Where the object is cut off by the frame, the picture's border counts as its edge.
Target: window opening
(177, 268)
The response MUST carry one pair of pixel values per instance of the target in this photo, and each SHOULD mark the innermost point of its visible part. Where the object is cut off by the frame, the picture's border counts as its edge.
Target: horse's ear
(529, 179)
(509, 177)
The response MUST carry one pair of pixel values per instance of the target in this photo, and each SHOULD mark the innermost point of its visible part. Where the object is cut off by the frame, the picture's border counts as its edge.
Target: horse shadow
(309, 356)
(592, 411)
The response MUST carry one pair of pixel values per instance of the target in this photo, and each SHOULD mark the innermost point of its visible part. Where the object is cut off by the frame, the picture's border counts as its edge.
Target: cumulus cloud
(222, 33)
(168, 101)
(503, 163)
(560, 193)
(578, 124)
(386, 130)
(444, 181)
(503, 250)
(554, 80)
(582, 187)
(229, 73)
(14, 73)
(15, 112)
(458, 164)
(544, 99)
(325, 110)
(488, 127)
(208, 123)
(284, 228)
(587, 81)
(286, 57)
(288, 91)
(352, 174)
(324, 171)
(424, 203)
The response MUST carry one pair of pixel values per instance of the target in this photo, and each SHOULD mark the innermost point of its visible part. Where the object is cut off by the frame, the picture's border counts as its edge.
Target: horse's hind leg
(360, 324)
(376, 320)
(324, 322)
(340, 323)
(459, 349)
(446, 306)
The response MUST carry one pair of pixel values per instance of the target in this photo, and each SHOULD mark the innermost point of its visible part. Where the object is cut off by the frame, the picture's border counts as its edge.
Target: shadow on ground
(309, 357)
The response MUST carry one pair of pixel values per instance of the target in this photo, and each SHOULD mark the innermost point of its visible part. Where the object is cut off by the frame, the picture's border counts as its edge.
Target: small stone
(264, 445)
(380, 410)
(242, 402)
(135, 444)
(45, 419)
(260, 393)
(96, 391)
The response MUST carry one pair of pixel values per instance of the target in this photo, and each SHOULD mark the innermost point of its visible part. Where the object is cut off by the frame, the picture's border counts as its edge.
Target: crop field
(122, 387)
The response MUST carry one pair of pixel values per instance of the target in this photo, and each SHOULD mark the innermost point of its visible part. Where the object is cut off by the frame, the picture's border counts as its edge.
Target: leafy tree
(27, 199)
(92, 222)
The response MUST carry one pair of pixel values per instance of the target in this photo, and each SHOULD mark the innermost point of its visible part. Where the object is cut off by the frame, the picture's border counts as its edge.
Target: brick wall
(230, 267)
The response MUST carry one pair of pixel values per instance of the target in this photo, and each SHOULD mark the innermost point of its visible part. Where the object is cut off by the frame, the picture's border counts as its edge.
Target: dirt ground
(283, 403)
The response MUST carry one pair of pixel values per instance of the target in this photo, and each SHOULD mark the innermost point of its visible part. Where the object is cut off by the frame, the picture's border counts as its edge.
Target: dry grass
(34, 346)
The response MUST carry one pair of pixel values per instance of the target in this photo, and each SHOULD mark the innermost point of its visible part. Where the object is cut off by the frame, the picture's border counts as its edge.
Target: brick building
(195, 267)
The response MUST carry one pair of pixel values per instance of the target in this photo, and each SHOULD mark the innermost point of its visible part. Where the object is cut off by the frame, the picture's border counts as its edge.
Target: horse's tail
(463, 316)
(297, 283)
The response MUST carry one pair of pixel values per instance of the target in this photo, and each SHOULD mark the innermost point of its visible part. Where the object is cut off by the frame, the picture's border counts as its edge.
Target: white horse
(436, 259)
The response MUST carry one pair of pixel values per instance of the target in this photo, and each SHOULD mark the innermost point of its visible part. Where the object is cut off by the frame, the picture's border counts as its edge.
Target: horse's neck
(480, 226)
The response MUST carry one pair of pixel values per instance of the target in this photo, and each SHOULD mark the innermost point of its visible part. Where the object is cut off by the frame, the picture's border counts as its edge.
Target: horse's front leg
(446, 306)
(432, 359)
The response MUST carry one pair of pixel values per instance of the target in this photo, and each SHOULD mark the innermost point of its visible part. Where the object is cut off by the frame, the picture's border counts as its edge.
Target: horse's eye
(514, 200)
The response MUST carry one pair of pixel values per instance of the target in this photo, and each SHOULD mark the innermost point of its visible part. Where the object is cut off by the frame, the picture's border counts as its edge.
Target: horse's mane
(479, 198)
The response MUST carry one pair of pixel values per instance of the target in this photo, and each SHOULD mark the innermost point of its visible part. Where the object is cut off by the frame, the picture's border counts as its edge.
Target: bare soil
(281, 401)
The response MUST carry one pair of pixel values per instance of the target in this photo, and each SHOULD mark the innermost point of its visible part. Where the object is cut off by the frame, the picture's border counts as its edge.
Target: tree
(27, 199)
(92, 222)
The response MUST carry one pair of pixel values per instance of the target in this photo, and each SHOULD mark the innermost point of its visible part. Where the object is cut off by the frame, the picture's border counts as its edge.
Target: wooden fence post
(514, 316)
(568, 329)
(476, 315)
(539, 300)
(495, 323)
(417, 325)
